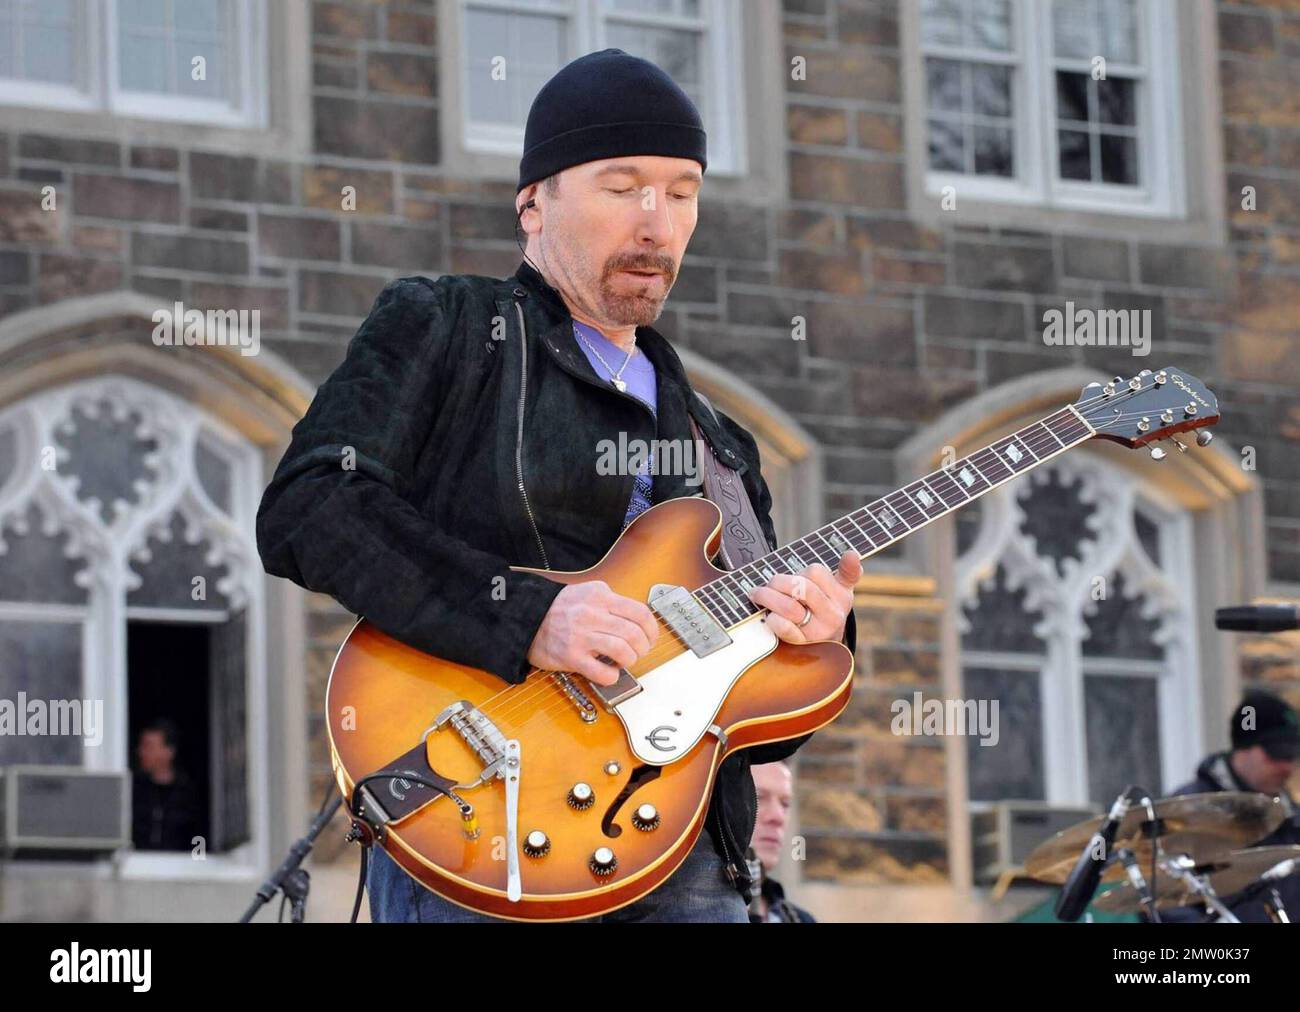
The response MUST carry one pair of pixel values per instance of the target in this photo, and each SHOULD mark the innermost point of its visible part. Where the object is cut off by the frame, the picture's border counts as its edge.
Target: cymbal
(1199, 825)
(1229, 873)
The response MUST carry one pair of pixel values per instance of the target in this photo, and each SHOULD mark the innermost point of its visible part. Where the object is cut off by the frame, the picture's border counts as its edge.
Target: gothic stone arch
(99, 348)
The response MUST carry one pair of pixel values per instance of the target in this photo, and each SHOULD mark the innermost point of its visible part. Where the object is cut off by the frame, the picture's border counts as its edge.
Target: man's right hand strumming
(587, 619)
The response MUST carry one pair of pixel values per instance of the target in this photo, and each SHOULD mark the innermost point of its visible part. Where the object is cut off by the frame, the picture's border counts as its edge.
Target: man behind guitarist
(439, 453)
(769, 905)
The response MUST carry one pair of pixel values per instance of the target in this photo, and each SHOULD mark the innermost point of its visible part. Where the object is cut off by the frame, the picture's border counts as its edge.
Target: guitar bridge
(585, 707)
(479, 733)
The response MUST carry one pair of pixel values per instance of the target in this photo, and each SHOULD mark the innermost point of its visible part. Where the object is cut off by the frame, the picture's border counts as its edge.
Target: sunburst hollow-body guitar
(557, 799)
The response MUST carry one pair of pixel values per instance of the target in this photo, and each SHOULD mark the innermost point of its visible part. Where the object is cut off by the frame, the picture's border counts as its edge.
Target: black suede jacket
(459, 438)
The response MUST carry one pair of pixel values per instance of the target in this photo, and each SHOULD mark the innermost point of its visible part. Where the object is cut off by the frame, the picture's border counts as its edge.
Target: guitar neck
(879, 524)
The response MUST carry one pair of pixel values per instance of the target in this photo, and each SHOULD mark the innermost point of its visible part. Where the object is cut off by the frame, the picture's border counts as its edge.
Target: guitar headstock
(1150, 406)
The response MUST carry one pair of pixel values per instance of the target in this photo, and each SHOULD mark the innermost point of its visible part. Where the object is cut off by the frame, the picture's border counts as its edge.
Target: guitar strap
(743, 540)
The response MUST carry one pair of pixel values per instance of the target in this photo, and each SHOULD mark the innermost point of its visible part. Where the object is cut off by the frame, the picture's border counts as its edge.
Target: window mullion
(1094, 131)
(172, 49)
(112, 54)
(590, 26)
(1040, 116)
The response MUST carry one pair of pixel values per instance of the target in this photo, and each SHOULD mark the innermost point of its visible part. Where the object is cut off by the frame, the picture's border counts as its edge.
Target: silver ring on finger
(807, 616)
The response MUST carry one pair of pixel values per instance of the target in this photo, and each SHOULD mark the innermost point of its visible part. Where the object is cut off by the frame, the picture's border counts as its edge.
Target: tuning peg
(1158, 453)
(1204, 437)
(1178, 443)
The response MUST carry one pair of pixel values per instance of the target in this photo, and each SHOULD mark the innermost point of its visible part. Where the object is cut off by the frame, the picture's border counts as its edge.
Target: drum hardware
(1185, 842)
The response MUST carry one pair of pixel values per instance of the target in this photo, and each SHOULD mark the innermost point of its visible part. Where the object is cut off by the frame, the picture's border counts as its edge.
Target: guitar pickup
(688, 618)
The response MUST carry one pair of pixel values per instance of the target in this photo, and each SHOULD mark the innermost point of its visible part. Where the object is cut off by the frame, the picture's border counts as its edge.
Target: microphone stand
(1277, 909)
(1081, 885)
(1152, 829)
(1139, 882)
(289, 877)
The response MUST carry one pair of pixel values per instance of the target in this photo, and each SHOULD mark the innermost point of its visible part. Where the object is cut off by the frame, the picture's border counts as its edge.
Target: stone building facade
(889, 220)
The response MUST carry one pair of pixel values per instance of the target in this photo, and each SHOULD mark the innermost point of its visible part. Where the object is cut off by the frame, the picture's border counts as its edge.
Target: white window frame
(86, 56)
(98, 90)
(1162, 188)
(722, 89)
(108, 550)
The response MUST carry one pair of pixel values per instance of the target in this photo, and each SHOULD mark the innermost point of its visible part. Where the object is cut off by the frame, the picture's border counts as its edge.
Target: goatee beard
(631, 310)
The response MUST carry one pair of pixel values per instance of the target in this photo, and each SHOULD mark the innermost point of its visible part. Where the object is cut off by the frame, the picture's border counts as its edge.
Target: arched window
(1076, 615)
(129, 581)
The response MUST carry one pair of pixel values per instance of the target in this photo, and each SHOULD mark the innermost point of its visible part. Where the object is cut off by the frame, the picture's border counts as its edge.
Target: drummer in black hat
(1265, 735)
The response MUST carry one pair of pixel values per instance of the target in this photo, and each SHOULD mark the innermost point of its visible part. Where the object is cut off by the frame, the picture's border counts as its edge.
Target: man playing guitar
(459, 438)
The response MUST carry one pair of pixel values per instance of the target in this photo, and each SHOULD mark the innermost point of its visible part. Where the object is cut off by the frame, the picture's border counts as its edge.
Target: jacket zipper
(733, 869)
(519, 438)
(730, 868)
(753, 787)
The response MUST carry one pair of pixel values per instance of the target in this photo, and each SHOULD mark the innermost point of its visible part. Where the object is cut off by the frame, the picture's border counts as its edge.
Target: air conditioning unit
(64, 808)
(1006, 833)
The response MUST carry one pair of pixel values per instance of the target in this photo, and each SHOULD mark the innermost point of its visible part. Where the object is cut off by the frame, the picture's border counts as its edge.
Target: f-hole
(642, 775)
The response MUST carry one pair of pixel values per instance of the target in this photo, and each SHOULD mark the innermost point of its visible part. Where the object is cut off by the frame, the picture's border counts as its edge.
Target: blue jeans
(697, 891)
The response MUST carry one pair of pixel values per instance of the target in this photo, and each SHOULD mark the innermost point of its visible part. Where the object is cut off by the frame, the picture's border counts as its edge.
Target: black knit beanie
(1272, 723)
(604, 105)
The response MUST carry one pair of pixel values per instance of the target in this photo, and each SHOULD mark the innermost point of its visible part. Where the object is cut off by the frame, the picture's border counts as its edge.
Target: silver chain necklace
(619, 384)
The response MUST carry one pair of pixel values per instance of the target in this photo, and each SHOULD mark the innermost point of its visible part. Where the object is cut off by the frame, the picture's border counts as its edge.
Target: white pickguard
(678, 700)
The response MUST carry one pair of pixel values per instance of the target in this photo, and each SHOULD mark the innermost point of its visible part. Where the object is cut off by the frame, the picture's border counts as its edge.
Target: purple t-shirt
(640, 379)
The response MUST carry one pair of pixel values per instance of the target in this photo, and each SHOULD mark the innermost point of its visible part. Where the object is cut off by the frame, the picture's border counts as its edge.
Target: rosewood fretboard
(879, 524)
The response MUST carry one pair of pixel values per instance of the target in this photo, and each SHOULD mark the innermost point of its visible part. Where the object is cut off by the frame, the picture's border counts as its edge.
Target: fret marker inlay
(1013, 453)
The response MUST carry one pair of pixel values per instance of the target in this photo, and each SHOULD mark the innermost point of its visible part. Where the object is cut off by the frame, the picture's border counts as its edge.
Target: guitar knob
(581, 796)
(1204, 437)
(537, 844)
(646, 818)
(603, 862)
(1158, 453)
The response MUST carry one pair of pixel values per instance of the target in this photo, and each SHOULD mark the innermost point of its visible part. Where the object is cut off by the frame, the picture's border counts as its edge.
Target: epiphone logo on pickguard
(1181, 384)
(658, 738)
